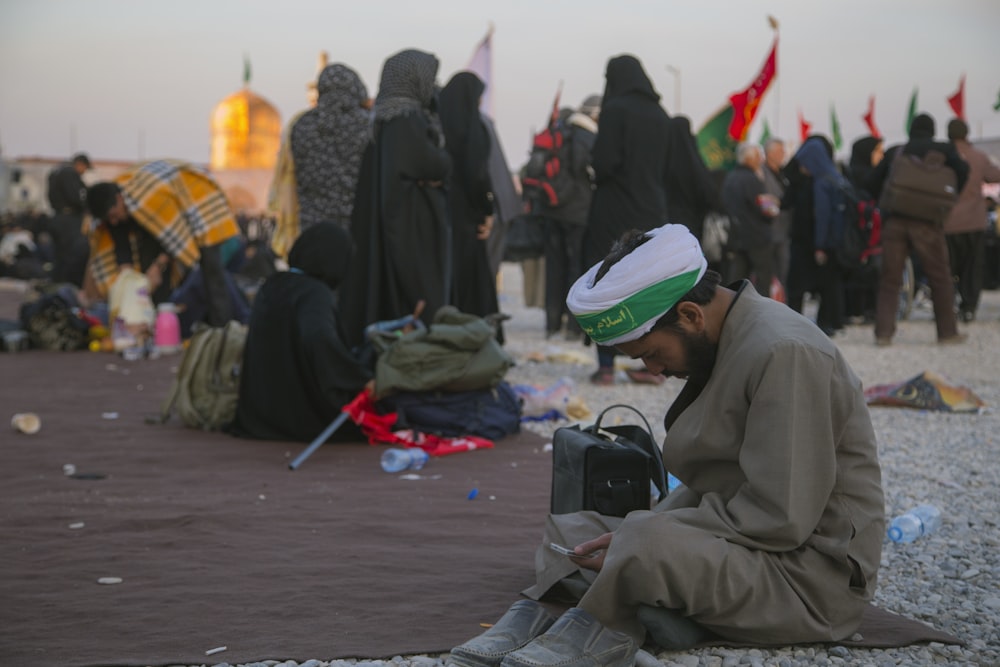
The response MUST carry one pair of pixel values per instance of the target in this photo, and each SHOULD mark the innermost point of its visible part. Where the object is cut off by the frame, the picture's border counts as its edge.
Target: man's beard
(700, 353)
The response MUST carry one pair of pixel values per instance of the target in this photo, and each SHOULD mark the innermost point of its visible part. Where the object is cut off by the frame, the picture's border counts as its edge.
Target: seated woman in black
(297, 370)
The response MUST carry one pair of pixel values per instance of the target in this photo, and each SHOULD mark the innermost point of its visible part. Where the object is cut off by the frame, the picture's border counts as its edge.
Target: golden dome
(246, 132)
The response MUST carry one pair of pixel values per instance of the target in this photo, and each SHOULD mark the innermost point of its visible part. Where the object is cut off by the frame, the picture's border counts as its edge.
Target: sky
(136, 79)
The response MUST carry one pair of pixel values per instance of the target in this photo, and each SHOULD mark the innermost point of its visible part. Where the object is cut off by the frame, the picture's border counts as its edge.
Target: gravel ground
(948, 579)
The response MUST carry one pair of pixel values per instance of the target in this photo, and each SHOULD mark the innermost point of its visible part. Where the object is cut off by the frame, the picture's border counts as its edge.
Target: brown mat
(219, 544)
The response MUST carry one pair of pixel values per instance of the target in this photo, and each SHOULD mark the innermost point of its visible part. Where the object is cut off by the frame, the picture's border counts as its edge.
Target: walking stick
(318, 442)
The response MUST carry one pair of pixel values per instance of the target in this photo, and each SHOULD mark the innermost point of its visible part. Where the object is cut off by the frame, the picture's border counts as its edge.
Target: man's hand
(156, 272)
(599, 545)
(483, 231)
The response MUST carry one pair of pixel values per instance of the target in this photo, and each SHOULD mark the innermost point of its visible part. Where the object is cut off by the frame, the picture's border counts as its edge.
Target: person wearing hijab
(691, 190)
(828, 222)
(866, 154)
(798, 197)
(470, 194)
(298, 370)
(631, 158)
(901, 235)
(775, 535)
(327, 143)
(400, 222)
(860, 290)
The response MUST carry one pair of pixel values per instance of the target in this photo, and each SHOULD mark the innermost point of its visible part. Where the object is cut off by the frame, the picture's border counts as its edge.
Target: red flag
(554, 118)
(957, 101)
(804, 127)
(745, 104)
(869, 119)
(378, 428)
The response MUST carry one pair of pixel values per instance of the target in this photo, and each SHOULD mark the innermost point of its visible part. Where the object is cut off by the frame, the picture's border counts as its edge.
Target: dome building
(245, 137)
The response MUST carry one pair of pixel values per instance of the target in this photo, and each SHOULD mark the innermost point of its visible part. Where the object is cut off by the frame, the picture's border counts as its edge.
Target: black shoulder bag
(605, 469)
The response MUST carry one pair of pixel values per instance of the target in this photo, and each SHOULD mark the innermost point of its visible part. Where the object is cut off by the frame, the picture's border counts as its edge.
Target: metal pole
(318, 442)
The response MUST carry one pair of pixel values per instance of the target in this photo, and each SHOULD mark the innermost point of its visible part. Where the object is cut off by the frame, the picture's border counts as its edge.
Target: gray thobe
(776, 534)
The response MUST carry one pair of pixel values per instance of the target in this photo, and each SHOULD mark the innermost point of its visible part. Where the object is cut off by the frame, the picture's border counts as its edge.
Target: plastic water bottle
(398, 460)
(911, 525)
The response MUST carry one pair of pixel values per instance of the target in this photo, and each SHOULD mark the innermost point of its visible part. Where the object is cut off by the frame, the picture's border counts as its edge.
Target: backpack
(547, 180)
(55, 322)
(207, 385)
(921, 188)
(860, 248)
(488, 413)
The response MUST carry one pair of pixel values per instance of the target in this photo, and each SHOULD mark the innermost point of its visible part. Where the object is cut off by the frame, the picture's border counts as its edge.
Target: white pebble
(109, 415)
(76, 526)
(108, 581)
(213, 651)
(69, 469)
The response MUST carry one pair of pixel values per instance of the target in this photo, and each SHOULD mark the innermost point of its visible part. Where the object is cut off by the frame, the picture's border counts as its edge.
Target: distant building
(24, 180)
(245, 136)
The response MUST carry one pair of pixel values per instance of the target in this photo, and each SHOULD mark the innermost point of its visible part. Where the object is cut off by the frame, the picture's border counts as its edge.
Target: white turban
(639, 288)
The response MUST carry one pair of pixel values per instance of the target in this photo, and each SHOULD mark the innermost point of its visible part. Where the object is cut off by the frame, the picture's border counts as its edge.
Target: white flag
(481, 64)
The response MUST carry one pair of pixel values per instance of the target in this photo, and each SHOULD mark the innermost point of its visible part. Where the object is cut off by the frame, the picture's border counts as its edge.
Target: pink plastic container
(168, 329)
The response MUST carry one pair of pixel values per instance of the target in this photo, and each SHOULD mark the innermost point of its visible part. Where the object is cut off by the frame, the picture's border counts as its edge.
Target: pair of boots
(528, 636)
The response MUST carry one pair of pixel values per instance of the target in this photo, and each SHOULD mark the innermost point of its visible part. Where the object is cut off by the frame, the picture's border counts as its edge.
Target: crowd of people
(386, 207)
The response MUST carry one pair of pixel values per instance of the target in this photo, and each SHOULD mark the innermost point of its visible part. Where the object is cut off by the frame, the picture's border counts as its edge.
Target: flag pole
(773, 22)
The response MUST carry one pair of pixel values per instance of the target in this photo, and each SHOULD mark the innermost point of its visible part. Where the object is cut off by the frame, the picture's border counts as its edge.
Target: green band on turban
(646, 304)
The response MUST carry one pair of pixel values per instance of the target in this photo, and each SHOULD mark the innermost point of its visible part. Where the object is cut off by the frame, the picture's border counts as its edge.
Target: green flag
(717, 148)
(766, 134)
(912, 112)
(838, 140)
(246, 71)
(996, 107)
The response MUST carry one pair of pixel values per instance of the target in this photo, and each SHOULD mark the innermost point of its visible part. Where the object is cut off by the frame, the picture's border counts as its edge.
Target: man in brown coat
(966, 225)
(775, 535)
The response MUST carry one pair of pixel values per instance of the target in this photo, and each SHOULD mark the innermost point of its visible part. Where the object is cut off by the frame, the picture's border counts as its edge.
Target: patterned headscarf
(327, 143)
(407, 86)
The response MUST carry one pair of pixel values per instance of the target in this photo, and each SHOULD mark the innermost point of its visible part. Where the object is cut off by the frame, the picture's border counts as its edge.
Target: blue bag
(488, 413)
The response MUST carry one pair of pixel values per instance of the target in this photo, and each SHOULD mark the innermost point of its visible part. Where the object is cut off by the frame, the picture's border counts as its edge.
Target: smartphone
(566, 551)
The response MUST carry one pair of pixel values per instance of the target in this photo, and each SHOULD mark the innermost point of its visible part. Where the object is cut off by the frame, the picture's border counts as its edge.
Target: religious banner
(838, 140)
(481, 64)
(805, 127)
(766, 134)
(717, 148)
(957, 101)
(911, 111)
(869, 118)
(746, 103)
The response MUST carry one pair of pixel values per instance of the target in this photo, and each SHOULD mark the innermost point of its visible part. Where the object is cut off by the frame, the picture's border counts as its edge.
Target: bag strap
(647, 445)
(216, 370)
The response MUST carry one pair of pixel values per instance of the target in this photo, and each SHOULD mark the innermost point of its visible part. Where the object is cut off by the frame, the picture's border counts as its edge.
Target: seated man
(775, 535)
(162, 218)
(297, 370)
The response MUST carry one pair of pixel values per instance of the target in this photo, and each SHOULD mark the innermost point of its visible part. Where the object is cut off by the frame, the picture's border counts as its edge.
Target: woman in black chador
(298, 370)
(400, 221)
(470, 196)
